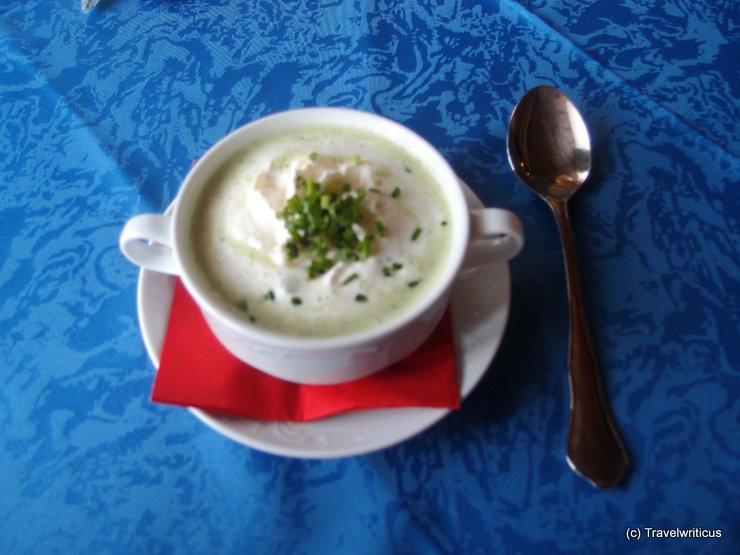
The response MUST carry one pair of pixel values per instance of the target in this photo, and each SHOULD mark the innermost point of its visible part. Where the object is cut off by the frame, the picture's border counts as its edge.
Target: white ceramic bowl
(160, 242)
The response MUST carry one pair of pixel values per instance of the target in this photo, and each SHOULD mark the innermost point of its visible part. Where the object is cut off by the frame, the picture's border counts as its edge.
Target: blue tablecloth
(101, 116)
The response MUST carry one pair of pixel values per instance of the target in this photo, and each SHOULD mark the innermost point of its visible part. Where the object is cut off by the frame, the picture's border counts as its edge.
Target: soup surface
(321, 232)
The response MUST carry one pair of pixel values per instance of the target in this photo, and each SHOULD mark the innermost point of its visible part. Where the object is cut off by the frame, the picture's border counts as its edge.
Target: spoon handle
(594, 448)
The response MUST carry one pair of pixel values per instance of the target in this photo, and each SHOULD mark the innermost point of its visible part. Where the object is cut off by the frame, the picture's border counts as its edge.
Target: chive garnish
(388, 271)
(313, 156)
(296, 300)
(269, 296)
(292, 249)
(365, 246)
(361, 298)
(396, 193)
(380, 228)
(243, 306)
(415, 234)
(414, 283)
(350, 279)
(322, 223)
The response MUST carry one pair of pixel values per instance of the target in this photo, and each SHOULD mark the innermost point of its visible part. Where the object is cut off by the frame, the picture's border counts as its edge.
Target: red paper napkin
(196, 371)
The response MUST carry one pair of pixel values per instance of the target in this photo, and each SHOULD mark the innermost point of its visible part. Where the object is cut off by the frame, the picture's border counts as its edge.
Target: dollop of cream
(256, 223)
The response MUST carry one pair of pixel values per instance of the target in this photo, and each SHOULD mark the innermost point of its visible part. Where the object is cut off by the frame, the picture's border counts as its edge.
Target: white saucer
(480, 309)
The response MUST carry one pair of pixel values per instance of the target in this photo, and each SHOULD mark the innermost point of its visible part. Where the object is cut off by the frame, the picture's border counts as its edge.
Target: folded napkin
(196, 371)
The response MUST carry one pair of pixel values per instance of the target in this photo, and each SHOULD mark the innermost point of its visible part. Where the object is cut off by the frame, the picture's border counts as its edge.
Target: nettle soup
(321, 232)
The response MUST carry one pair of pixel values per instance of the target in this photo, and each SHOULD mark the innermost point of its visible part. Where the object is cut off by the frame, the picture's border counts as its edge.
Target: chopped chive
(444, 222)
(361, 298)
(296, 300)
(311, 187)
(396, 193)
(322, 224)
(414, 283)
(380, 228)
(350, 279)
(415, 234)
(365, 246)
(252, 319)
(269, 296)
(313, 156)
(388, 271)
(242, 306)
(292, 248)
(319, 265)
(374, 190)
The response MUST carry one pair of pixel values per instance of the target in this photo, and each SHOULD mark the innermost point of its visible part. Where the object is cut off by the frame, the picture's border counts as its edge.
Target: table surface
(101, 116)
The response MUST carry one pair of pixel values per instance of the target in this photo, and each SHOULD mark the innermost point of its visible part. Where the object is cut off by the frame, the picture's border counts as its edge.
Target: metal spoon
(550, 152)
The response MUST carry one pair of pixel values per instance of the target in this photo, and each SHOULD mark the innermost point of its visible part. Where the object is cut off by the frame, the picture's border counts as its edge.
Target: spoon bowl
(548, 144)
(550, 152)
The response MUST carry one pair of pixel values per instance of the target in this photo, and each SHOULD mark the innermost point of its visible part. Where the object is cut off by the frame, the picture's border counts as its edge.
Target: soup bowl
(164, 243)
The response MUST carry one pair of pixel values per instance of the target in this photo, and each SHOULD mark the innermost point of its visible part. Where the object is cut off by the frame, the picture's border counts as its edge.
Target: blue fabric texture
(101, 116)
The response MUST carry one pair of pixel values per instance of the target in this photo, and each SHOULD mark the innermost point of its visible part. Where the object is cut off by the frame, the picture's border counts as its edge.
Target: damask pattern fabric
(101, 116)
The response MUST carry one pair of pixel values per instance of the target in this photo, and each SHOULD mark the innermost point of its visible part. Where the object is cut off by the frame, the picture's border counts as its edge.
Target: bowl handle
(496, 235)
(146, 240)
